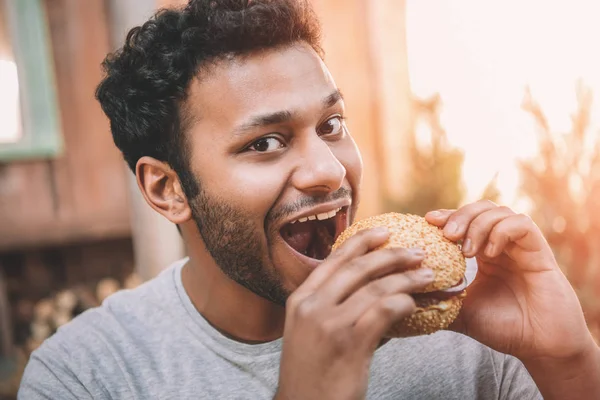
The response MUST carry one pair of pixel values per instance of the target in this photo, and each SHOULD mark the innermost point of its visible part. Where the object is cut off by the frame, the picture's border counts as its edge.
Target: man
(235, 131)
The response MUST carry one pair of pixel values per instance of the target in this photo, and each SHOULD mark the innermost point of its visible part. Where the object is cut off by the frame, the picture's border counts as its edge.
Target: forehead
(292, 78)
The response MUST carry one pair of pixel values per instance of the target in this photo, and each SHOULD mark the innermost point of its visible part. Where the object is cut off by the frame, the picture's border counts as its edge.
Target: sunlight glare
(10, 129)
(481, 56)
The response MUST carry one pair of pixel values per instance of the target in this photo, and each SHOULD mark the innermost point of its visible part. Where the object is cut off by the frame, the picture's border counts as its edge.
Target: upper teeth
(320, 217)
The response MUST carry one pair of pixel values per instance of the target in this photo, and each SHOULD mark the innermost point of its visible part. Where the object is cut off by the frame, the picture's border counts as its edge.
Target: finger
(407, 282)
(479, 229)
(359, 244)
(439, 217)
(363, 270)
(518, 229)
(382, 315)
(459, 221)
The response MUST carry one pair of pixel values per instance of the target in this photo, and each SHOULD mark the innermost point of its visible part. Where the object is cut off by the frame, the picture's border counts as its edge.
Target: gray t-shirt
(151, 343)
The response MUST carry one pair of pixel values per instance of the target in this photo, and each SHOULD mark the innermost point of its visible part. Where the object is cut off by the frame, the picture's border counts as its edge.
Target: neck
(228, 306)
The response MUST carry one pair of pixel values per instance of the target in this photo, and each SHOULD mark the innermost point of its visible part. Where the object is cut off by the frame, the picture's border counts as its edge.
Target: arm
(576, 378)
(47, 376)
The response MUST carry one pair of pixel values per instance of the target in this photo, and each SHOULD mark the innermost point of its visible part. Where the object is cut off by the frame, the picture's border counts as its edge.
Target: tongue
(300, 234)
(324, 241)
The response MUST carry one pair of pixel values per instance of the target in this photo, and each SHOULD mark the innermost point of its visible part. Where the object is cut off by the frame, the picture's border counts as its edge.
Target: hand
(520, 302)
(336, 319)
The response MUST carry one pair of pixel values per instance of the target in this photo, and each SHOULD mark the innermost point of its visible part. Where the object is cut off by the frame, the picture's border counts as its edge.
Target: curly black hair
(146, 81)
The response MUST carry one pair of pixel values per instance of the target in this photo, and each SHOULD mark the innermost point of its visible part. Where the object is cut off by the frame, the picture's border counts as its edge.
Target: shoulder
(126, 310)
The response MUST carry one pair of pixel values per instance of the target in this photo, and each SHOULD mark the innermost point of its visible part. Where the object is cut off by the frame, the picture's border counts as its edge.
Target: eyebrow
(280, 117)
(333, 98)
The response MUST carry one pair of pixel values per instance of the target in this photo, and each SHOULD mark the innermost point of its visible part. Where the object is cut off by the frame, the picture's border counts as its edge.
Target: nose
(319, 171)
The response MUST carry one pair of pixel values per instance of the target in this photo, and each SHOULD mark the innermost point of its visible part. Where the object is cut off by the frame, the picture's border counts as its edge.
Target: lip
(322, 208)
(312, 263)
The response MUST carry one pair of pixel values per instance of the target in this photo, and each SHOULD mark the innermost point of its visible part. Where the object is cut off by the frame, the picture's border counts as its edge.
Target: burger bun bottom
(429, 320)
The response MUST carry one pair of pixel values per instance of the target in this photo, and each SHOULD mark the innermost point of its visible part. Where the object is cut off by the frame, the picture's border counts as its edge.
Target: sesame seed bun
(442, 256)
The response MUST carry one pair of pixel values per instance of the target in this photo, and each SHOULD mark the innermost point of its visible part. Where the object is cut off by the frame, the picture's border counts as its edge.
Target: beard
(237, 246)
(235, 243)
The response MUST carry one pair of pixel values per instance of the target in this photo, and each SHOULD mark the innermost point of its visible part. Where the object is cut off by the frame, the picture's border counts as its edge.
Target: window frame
(29, 33)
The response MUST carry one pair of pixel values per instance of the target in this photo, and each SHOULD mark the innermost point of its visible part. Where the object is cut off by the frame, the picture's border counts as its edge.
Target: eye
(265, 145)
(332, 126)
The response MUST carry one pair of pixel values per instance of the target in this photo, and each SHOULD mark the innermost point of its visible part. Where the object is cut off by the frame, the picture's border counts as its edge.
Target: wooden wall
(81, 195)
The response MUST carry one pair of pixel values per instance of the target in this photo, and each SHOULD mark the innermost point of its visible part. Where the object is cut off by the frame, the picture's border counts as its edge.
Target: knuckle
(291, 302)
(397, 306)
(396, 254)
(476, 227)
(524, 218)
(339, 340)
(355, 267)
(495, 235)
(386, 309)
(328, 329)
(412, 278)
(487, 203)
(407, 305)
(377, 288)
(456, 218)
(411, 305)
(506, 209)
(306, 308)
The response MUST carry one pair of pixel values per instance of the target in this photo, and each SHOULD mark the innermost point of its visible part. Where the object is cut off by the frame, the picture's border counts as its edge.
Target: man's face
(269, 148)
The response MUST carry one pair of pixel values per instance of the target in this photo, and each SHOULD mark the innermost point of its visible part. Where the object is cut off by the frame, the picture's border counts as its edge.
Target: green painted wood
(42, 134)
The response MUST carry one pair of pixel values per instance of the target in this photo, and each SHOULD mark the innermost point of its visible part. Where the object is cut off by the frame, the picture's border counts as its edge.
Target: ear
(162, 190)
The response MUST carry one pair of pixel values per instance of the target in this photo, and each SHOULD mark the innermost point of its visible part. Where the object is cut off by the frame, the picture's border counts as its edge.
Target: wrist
(576, 376)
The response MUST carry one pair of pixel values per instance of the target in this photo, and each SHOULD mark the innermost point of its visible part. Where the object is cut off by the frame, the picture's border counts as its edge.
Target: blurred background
(449, 102)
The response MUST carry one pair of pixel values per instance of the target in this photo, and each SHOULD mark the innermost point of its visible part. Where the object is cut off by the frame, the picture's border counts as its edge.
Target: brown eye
(331, 126)
(265, 145)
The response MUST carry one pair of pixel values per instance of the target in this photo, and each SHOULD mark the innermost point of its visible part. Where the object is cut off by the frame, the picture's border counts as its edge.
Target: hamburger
(439, 303)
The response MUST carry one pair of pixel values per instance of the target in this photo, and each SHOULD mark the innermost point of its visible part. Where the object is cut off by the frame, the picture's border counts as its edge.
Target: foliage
(435, 168)
(491, 191)
(563, 183)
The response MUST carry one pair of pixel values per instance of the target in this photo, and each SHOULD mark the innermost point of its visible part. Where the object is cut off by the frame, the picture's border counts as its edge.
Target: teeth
(323, 216)
(320, 217)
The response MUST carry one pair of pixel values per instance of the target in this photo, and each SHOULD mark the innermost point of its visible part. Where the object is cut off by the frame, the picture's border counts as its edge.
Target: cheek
(349, 155)
(255, 188)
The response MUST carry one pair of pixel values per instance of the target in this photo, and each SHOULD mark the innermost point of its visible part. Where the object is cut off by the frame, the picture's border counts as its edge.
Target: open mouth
(313, 236)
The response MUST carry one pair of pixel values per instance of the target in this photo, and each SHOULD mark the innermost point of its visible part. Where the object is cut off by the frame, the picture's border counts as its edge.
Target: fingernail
(451, 228)
(466, 247)
(425, 273)
(380, 230)
(417, 252)
(434, 214)
(489, 249)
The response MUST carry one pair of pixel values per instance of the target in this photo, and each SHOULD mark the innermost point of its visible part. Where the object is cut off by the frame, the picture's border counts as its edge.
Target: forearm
(577, 378)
